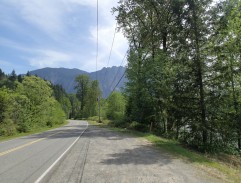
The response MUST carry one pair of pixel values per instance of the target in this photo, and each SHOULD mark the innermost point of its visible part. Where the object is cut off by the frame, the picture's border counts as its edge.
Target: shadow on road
(124, 149)
(142, 155)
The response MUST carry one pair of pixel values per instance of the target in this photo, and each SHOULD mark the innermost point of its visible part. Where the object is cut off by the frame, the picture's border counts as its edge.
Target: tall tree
(75, 106)
(91, 100)
(82, 87)
(2, 75)
(62, 97)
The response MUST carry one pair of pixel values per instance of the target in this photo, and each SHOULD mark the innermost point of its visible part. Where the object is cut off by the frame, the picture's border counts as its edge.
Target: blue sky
(57, 33)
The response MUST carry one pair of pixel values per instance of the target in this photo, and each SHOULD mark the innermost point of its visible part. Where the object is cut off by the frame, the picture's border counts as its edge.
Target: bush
(118, 124)
(7, 128)
(95, 118)
(23, 128)
(138, 126)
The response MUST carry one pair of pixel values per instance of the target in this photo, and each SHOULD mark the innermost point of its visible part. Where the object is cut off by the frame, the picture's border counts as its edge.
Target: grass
(38, 130)
(206, 162)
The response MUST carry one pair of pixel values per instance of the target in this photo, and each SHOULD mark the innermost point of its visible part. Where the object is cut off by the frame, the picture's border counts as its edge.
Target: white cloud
(39, 58)
(106, 32)
(46, 15)
(50, 58)
(52, 17)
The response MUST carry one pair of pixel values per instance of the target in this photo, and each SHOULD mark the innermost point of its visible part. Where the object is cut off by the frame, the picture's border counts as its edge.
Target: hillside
(66, 77)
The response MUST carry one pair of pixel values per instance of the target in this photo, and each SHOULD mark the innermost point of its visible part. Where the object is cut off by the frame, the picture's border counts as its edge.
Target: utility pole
(97, 49)
(99, 108)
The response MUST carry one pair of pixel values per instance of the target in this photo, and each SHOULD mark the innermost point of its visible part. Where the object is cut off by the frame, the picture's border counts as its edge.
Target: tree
(88, 93)
(2, 75)
(91, 100)
(178, 79)
(116, 106)
(20, 78)
(42, 105)
(226, 45)
(27, 106)
(4, 100)
(13, 76)
(62, 97)
(82, 87)
(75, 106)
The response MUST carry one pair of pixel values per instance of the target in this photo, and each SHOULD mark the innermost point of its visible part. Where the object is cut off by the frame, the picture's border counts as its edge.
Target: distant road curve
(31, 158)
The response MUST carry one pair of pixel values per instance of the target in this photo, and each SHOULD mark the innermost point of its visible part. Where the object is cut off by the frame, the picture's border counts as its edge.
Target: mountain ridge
(66, 77)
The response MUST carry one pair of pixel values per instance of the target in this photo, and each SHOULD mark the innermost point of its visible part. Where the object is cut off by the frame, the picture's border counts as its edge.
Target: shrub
(7, 128)
(138, 126)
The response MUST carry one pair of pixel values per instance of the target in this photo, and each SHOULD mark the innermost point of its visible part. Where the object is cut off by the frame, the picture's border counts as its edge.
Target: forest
(183, 70)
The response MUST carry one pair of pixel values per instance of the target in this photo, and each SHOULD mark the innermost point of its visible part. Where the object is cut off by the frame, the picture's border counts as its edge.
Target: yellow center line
(25, 145)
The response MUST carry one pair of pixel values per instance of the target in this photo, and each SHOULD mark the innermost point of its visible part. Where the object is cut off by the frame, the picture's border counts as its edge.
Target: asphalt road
(31, 158)
(82, 153)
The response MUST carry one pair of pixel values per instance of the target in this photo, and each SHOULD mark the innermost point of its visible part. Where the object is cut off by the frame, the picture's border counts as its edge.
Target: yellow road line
(25, 145)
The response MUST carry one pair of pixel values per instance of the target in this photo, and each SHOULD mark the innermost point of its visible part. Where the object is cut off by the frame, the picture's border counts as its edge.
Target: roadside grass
(38, 130)
(206, 162)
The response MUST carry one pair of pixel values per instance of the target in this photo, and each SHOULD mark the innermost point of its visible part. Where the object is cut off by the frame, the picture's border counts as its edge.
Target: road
(81, 153)
(27, 159)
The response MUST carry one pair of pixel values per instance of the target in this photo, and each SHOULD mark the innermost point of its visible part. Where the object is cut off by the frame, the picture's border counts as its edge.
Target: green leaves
(28, 106)
(88, 93)
(116, 104)
(184, 69)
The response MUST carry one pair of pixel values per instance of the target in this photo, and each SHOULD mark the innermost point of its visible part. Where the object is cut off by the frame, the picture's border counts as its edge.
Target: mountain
(107, 77)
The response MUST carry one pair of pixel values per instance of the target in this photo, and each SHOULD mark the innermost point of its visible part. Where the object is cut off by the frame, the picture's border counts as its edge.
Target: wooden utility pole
(99, 108)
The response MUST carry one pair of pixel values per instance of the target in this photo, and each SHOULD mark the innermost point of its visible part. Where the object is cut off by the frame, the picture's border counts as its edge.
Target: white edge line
(57, 160)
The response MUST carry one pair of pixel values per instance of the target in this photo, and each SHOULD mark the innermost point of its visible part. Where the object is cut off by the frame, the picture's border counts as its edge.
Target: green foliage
(4, 101)
(21, 114)
(62, 97)
(184, 70)
(91, 100)
(116, 106)
(82, 87)
(7, 128)
(75, 107)
(88, 93)
(137, 126)
(27, 106)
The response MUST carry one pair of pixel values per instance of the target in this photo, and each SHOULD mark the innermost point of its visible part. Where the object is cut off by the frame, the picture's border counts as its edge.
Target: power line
(97, 35)
(118, 82)
(144, 41)
(118, 69)
(113, 40)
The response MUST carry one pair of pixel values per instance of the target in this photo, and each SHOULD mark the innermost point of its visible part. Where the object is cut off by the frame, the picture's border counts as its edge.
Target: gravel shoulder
(105, 156)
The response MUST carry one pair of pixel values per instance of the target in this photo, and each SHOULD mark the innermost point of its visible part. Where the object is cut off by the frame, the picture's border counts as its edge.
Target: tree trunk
(165, 125)
(200, 79)
(235, 103)
(177, 132)
(164, 41)
(239, 141)
(151, 126)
